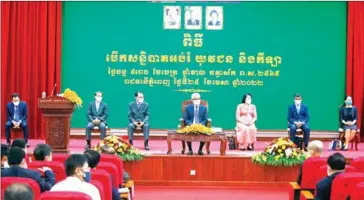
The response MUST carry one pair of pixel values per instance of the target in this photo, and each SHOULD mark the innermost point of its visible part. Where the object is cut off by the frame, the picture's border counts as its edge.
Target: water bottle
(44, 95)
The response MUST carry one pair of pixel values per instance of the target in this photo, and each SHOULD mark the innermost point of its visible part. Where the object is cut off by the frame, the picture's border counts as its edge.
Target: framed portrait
(214, 19)
(193, 17)
(172, 17)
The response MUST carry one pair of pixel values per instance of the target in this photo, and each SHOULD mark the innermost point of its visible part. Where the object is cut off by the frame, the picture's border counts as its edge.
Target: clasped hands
(16, 124)
(349, 123)
(96, 121)
(299, 124)
(138, 124)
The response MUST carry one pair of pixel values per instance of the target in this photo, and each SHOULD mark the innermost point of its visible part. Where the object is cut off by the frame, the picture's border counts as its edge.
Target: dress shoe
(305, 149)
(131, 142)
(200, 152)
(146, 145)
(190, 153)
(250, 148)
(27, 145)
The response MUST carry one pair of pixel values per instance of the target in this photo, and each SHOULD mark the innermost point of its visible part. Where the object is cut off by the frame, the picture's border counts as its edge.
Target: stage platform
(235, 169)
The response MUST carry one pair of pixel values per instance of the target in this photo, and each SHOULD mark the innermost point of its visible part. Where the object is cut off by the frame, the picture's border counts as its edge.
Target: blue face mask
(87, 176)
(349, 102)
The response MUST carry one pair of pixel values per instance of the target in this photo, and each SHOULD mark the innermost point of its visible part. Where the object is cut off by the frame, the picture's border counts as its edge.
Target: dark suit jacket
(323, 188)
(23, 111)
(346, 115)
(299, 178)
(302, 116)
(190, 112)
(138, 114)
(45, 183)
(101, 114)
(189, 22)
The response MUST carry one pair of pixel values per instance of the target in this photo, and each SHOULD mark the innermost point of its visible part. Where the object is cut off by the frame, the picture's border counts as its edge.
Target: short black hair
(336, 161)
(297, 95)
(16, 156)
(14, 95)
(41, 151)
(245, 96)
(74, 161)
(214, 11)
(18, 191)
(18, 142)
(93, 157)
(4, 150)
(137, 93)
(99, 92)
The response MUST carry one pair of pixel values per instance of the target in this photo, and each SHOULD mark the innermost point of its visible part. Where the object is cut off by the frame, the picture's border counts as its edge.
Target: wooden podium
(57, 112)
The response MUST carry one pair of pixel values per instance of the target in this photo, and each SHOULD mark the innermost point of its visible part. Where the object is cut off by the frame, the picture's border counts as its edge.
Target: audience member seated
(315, 149)
(93, 159)
(298, 119)
(4, 156)
(18, 191)
(17, 114)
(348, 117)
(42, 152)
(106, 149)
(195, 113)
(336, 165)
(18, 167)
(76, 169)
(23, 145)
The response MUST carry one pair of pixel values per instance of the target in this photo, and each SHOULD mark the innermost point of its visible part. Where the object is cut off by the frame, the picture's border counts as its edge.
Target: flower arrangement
(280, 152)
(122, 148)
(72, 96)
(196, 129)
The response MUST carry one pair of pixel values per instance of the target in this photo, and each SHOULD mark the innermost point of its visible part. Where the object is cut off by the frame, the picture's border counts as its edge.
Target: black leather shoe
(146, 145)
(27, 145)
(200, 152)
(131, 142)
(190, 153)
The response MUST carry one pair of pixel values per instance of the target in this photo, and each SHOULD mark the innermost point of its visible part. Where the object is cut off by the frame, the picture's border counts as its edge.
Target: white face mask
(141, 100)
(196, 102)
(297, 102)
(98, 99)
(16, 103)
(248, 101)
(6, 164)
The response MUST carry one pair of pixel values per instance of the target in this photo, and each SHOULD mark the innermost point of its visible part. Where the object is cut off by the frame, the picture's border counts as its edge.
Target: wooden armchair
(182, 123)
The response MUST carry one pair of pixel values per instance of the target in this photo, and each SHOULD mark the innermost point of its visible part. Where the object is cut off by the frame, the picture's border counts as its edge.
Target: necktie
(16, 114)
(195, 118)
(298, 109)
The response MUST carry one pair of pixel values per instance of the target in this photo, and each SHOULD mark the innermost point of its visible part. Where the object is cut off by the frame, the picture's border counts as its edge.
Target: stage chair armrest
(306, 195)
(294, 191)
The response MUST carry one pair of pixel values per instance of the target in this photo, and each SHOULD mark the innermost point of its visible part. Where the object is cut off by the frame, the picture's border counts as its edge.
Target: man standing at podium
(97, 115)
(17, 114)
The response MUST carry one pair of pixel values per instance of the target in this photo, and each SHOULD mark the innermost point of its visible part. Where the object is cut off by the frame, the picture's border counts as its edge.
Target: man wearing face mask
(336, 165)
(17, 114)
(18, 168)
(195, 113)
(139, 118)
(78, 173)
(298, 118)
(97, 115)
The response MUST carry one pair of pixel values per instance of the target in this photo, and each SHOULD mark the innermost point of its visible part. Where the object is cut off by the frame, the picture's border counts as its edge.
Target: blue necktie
(16, 114)
(196, 115)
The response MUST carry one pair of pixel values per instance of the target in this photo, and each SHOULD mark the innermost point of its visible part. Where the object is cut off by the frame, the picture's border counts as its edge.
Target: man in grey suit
(139, 118)
(97, 115)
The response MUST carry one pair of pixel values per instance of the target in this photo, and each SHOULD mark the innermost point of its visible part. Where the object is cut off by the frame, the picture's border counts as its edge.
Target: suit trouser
(131, 129)
(102, 128)
(189, 144)
(293, 131)
(23, 126)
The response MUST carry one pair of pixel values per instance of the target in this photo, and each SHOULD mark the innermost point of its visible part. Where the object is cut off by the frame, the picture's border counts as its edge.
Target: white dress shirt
(74, 184)
(97, 104)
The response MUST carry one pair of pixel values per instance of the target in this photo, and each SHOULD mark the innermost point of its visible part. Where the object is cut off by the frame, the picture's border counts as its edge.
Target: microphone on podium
(53, 89)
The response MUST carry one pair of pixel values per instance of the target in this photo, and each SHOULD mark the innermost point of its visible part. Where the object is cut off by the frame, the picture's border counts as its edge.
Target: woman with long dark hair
(246, 115)
(348, 117)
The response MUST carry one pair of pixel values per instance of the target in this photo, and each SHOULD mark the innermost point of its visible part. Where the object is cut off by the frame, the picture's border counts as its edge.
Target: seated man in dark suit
(18, 167)
(336, 165)
(195, 113)
(139, 118)
(93, 159)
(17, 114)
(97, 115)
(298, 118)
(315, 149)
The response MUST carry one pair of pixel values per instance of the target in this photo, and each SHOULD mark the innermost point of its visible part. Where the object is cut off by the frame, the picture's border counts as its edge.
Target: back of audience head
(106, 149)
(336, 163)
(315, 148)
(93, 158)
(4, 155)
(21, 143)
(17, 157)
(42, 152)
(18, 191)
(76, 166)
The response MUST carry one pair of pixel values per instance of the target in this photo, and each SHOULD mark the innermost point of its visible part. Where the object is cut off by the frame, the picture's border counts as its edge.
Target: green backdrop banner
(219, 49)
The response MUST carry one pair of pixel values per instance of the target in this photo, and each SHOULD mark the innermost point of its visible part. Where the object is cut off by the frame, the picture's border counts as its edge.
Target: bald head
(315, 148)
(18, 191)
